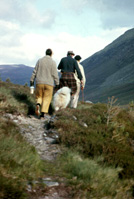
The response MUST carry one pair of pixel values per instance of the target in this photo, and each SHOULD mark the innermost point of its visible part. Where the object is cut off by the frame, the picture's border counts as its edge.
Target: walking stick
(82, 93)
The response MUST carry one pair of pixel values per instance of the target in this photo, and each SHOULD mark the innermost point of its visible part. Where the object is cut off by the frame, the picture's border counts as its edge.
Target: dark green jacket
(68, 64)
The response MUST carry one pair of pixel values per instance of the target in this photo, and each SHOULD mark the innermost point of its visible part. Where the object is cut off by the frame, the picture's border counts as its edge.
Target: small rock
(74, 178)
(75, 118)
(56, 136)
(16, 121)
(85, 125)
(89, 102)
(46, 179)
(29, 188)
(50, 140)
(51, 184)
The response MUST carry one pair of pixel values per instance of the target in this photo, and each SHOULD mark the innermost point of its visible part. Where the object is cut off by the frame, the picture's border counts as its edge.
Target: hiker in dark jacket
(68, 66)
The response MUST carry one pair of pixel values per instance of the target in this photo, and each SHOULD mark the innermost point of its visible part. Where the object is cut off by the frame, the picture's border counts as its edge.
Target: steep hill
(110, 72)
(86, 152)
(18, 74)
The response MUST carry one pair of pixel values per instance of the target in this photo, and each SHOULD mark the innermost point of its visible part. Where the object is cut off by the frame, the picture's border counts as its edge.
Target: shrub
(16, 99)
(111, 141)
(95, 180)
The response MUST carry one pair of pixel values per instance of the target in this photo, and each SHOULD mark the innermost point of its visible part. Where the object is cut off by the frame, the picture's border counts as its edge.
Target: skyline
(28, 28)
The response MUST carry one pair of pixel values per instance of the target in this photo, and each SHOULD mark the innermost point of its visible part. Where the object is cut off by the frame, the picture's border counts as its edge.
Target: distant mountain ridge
(17, 73)
(110, 72)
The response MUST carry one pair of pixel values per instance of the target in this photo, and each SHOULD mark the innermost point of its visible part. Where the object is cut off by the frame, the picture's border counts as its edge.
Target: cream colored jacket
(45, 71)
(83, 75)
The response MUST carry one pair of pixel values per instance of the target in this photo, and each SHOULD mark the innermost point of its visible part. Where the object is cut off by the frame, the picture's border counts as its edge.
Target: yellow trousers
(44, 94)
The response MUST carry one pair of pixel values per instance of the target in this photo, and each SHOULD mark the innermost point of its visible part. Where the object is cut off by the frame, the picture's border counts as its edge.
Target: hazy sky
(29, 27)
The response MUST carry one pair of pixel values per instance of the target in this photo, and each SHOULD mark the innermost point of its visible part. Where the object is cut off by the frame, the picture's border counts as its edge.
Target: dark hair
(78, 57)
(49, 52)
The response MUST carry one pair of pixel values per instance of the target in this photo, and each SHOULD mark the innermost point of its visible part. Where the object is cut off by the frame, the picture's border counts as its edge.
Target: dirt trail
(39, 134)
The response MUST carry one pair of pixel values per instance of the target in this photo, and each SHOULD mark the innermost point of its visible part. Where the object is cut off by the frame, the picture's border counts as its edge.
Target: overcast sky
(29, 27)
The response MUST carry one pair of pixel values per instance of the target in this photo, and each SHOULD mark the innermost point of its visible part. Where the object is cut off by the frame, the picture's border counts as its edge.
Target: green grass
(16, 99)
(19, 162)
(92, 180)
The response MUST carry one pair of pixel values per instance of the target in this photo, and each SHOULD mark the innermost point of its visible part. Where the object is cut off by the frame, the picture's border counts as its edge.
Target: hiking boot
(37, 110)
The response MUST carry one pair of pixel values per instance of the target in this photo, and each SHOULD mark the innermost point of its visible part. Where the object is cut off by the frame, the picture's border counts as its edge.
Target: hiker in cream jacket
(45, 73)
(74, 101)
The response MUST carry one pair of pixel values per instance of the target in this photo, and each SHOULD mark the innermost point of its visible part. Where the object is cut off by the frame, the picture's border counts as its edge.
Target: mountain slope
(111, 70)
(18, 74)
(58, 157)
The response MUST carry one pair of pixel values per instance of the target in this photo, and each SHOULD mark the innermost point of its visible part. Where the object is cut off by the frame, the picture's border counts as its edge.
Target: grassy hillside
(99, 137)
(110, 68)
(97, 157)
(19, 161)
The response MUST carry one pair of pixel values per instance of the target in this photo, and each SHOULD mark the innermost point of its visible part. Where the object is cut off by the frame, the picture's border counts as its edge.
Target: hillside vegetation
(19, 161)
(97, 157)
(110, 71)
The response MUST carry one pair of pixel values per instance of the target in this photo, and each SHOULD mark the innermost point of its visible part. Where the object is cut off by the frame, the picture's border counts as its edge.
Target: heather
(96, 143)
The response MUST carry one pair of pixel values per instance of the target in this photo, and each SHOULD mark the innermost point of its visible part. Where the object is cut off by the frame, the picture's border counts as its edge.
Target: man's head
(49, 52)
(78, 57)
(70, 53)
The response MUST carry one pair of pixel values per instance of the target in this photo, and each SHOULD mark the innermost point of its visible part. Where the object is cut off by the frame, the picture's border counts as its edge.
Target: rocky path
(39, 134)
